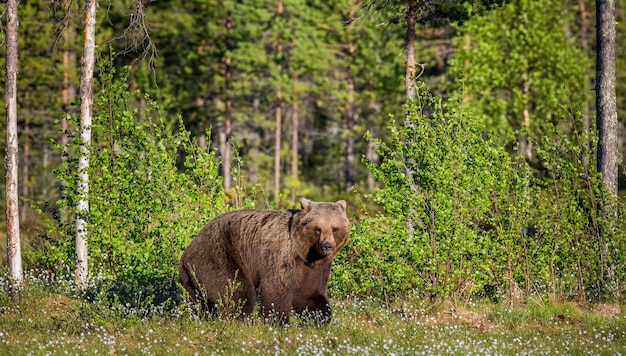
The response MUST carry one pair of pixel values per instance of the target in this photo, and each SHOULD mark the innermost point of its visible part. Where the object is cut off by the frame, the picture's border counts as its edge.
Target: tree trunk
(350, 120)
(371, 156)
(25, 163)
(411, 62)
(277, 141)
(468, 45)
(277, 144)
(606, 124)
(295, 120)
(606, 118)
(68, 92)
(525, 145)
(227, 135)
(202, 141)
(86, 107)
(227, 111)
(409, 81)
(14, 251)
(221, 143)
(584, 44)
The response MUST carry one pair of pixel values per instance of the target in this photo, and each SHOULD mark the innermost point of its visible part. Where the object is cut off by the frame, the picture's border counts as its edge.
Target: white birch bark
(16, 271)
(86, 113)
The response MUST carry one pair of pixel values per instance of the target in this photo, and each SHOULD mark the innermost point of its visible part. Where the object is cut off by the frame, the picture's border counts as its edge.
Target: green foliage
(519, 65)
(582, 262)
(432, 12)
(376, 262)
(151, 189)
(462, 219)
(454, 204)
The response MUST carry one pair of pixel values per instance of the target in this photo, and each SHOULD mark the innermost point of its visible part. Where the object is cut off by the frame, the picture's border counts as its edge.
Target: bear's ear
(306, 204)
(343, 205)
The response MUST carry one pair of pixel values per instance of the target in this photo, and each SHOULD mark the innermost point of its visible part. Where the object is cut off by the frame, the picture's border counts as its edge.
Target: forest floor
(42, 321)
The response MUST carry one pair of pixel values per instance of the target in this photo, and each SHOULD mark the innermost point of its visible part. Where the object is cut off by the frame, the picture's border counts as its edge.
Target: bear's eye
(318, 230)
(335, 230)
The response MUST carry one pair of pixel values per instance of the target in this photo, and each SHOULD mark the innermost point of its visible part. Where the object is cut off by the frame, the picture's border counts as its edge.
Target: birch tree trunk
(86, 108)
(14, 251)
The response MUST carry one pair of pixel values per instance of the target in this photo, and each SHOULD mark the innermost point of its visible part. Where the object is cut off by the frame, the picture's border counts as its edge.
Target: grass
(47, 319)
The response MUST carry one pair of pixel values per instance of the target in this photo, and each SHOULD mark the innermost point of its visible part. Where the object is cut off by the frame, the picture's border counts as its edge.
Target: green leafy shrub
(454, 203)
(462, 218)
(151, 189)
(582, 262)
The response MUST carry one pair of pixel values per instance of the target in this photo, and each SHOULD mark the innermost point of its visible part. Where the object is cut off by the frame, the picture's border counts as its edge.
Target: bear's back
(251, 238)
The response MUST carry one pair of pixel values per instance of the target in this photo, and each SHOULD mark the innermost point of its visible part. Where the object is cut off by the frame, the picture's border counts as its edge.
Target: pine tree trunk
(226, 169)
(86, 113)
(584, 44)
(295, 120)
(350, 120)
(68, 92)
(277, 141)
(606, 119)
(606, 124)
(226, 154)
(14, 251)
(25, 163)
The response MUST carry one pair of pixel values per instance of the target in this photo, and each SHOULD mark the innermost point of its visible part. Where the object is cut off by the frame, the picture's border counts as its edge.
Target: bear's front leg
(310, 298)
(276, 300)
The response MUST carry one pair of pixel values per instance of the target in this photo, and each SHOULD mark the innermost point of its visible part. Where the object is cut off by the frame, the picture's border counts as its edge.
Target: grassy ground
(44, 320)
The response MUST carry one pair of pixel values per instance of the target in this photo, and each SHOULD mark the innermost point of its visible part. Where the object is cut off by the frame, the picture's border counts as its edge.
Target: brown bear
(286, 254)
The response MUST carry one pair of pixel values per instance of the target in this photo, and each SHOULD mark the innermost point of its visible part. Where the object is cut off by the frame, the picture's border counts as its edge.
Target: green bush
(465, 218)
(582, 262)
(454, 203)
(151, 189)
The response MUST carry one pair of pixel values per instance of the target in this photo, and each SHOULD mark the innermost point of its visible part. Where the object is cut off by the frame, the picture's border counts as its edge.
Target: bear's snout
(326, 248)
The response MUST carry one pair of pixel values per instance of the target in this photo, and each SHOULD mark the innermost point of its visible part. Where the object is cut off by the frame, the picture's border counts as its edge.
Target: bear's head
(325, 227)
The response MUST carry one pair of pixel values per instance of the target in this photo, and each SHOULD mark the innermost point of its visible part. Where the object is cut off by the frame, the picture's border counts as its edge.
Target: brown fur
(285, 254)
(310, 299)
